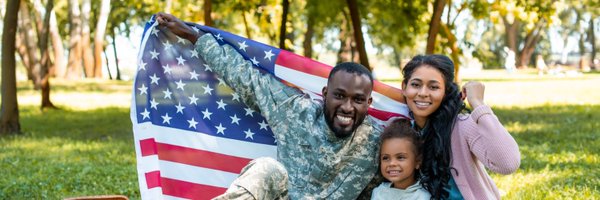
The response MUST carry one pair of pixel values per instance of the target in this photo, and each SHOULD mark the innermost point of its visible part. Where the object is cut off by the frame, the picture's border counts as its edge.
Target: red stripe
(384, 115)
(195, 157)
(182, 189)
(305, 65)
(299, 63)
(153, 179)
(148, 147)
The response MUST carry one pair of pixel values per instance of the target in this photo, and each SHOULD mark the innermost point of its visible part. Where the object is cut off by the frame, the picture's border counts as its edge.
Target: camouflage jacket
(319, 164)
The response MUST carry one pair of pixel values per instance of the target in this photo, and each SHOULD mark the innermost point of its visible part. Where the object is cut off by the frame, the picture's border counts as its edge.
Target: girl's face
(424, 92)
(399, 162)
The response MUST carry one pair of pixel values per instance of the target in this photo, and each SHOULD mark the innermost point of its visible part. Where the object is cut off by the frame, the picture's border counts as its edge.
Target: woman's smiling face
(424, 92)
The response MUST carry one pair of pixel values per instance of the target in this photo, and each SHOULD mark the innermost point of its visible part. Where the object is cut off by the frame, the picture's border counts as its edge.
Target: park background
(66, 82)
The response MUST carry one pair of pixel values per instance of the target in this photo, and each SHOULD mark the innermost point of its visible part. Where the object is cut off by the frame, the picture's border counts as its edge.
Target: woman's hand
(474, 92)
(177, 26)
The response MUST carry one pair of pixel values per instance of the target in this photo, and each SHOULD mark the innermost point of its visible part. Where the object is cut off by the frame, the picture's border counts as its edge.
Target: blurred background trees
(79, 39)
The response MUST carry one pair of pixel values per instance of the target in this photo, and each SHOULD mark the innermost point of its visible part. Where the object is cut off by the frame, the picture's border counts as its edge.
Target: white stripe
(201, 141)
(198, 175)
(316, 83)
(306, 81)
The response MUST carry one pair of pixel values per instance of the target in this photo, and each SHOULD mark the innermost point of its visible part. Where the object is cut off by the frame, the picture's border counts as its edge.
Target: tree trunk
(9, 110)
(107, 66)
(434, 25)
(358, 36)
(286, 6)
(22, 51)
(592, 38)
(74, 62)
(246, 26)
(114, 44)
(168, 5)
(511, 30)
(27, 28)
(45, 62)
(99, 37)
(345, 52)
(531, 40)
(308, 35)
(59, 68)
(88, 55)
(207, 13)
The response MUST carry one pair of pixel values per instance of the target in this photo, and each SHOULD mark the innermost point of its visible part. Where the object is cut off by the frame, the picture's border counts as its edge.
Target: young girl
(456, 146)
(400, 159)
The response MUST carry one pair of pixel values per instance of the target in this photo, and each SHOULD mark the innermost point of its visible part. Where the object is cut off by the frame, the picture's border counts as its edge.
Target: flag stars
(143, 89)
(220, 129)
(193, 99)
(221, 104)
(180, 85)
(155, 32)
(194, 75)
(235, 119)
(263, 125)
(166, 118)
(180, 40)
(196, 29)
(167, 69)
(180, 60)
(192, 123)
(154, 79)
(249, 111)
(179, 108)
(218, 36)
(194, 53)
(154, 104)
(207, 68)
(206, 114)
(242, 45)
(269, 54)
(254, 61)
(207, 89)
(142, 65)
(167, 45)
(235, 97)
(167, 93)
(154, 54)
(221, 82)
(145, 114)
(249, 134)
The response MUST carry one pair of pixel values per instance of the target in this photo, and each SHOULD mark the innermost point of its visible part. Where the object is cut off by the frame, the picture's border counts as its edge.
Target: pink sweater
(479, 140)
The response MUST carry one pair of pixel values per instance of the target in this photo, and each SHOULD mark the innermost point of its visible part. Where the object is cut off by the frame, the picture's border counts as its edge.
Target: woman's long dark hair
(436, 149)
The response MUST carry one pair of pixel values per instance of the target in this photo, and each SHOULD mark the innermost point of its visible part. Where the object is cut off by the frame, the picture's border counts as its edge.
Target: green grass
(87, 148)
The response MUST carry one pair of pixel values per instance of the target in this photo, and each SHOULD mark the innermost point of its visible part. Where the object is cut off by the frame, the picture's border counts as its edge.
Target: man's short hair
(351, 67)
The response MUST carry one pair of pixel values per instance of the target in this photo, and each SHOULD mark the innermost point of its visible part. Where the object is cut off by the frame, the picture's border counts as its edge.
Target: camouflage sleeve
(376, 181)
(259, 91)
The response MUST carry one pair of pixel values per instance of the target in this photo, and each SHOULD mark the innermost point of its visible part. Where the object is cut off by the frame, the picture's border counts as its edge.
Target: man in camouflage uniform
(326, 149)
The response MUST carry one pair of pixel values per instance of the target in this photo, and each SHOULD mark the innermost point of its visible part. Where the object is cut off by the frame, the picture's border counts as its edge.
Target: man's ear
(370, 100)
(324, 91)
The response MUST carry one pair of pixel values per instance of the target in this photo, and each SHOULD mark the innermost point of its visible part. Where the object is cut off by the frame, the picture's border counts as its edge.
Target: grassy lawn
(86, 148)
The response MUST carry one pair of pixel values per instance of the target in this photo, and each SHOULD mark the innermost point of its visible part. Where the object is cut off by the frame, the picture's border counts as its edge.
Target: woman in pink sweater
(457, 145)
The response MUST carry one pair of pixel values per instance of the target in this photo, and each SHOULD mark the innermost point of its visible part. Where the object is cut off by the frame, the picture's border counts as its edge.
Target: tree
(358, 36)
(99, 37)
(285, 4)
(45, 61)
(9, 110)
(86, 50)
(75, 46)
(207, 7)
(434, 24)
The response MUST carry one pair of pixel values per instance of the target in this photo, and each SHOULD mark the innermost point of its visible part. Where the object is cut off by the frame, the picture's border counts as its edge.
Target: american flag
(192, 133)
